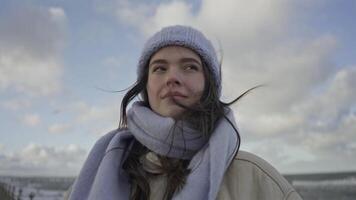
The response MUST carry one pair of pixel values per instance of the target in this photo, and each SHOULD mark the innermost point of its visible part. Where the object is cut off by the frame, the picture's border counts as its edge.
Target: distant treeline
(320, 176)
(5, 192)
(47, 183)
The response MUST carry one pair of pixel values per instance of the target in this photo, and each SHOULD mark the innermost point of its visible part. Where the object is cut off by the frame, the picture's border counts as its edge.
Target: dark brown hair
(202, 117)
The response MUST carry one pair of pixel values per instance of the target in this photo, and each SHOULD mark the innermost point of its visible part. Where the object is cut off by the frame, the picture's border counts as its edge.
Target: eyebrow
(183, 60)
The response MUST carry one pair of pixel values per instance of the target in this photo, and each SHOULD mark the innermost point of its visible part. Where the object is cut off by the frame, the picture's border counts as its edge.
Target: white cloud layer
(43, 160)
(30, 47)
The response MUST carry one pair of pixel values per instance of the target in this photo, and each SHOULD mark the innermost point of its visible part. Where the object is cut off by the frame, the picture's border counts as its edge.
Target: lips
(173, 94)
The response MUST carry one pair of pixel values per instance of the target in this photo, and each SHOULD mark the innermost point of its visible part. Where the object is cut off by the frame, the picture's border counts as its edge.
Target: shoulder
(249, 161)
(251, 177)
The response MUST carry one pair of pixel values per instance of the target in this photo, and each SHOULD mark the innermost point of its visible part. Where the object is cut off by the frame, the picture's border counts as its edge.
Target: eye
(159, 68)
(191, 68)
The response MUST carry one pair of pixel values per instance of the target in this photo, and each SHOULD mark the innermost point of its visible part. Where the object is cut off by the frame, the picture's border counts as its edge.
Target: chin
(175, 113)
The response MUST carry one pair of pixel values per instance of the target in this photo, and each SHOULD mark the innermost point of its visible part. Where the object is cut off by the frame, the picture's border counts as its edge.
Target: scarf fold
(162, 135)
(102, 176)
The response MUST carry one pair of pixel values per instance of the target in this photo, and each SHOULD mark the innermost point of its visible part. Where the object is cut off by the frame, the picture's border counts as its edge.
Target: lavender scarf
(102, 176)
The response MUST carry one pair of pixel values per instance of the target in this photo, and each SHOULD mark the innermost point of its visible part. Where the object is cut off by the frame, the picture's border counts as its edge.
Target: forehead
(174, 52)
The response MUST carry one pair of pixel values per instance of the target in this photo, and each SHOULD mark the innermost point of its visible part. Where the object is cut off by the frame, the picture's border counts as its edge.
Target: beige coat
(249, 177)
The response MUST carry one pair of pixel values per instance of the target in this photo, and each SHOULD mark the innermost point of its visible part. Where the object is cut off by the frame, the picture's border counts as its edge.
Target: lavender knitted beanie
(184, 36)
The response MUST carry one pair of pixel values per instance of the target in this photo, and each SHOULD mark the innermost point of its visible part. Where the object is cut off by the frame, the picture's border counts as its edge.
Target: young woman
(179, 141)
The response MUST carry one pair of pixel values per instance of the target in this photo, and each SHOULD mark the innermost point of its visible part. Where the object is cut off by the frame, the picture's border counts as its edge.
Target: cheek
(197, 86)
(152, 91)
(199, 83)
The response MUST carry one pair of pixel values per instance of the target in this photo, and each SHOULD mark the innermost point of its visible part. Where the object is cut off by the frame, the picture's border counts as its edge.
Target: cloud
(88, 113)
(329, 116)
(59, 128)
(31, 120)
(57, 14)
(31, 40)
(36, 159)
(15, 104)
(292, 73)
(324, 132)
(147, 17)
(99, 119)
(132, 13)
(334, 100)
(245, 18)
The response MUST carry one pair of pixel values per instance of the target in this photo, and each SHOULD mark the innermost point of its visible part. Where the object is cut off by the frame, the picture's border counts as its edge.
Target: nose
(173, 78)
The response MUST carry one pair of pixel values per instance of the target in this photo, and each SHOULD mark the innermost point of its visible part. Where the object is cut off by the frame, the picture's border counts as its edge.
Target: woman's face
(175, 74)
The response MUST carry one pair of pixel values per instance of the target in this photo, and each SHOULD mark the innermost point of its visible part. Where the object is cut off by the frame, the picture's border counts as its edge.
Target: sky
(61, 61)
